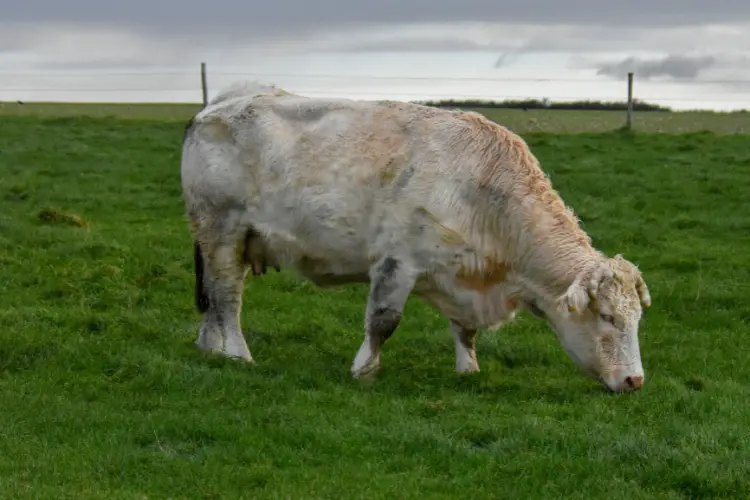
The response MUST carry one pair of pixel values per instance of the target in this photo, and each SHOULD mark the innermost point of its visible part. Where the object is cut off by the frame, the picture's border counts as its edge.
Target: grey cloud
(280, 17)
(519, 38)
(427, 44)
(673, 65)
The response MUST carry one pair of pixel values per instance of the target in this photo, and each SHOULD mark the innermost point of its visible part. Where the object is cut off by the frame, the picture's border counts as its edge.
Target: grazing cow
(444, 204)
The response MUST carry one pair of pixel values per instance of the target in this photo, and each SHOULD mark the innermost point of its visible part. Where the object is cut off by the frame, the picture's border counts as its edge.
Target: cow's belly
(327, 239)
(313, 257)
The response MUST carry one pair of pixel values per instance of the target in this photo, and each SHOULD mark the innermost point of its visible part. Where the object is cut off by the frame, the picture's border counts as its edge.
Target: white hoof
(237, 350)
(234, 347)
(367, 371)
(365, 364)
(467, 367)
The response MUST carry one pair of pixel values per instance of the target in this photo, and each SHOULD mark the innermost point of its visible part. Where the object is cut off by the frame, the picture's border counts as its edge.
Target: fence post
(629, 118)
(204, 84)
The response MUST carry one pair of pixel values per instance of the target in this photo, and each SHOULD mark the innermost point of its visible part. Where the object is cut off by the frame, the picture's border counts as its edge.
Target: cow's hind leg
(224, 275)
(391, 282)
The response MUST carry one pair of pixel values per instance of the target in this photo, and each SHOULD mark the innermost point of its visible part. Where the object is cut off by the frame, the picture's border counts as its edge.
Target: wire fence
(275, 76)
(185, 86)
(14, 84)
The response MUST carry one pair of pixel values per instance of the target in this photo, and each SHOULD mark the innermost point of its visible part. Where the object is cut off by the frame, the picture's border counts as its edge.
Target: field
(533, 120)
(103, 395)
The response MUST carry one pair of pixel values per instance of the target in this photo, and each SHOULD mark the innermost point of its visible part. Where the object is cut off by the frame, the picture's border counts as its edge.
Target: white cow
(444, 204)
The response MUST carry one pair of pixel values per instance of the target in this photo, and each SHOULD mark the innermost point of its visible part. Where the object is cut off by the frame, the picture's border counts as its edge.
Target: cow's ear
(640, 284)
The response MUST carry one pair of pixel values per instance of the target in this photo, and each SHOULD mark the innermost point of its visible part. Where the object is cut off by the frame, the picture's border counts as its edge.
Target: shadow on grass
(309, 365)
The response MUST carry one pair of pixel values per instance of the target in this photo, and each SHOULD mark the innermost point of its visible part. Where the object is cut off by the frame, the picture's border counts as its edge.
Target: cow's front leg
(392, 280)
(466, 354)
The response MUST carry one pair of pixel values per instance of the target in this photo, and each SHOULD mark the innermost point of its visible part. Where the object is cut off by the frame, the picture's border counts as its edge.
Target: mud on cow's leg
(391, 282)
(466, 354)
(224, 280)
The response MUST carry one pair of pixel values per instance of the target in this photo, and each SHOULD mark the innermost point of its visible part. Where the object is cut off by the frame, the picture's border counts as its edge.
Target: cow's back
(321, 141)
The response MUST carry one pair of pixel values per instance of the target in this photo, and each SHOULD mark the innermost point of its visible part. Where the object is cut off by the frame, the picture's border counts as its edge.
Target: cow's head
(597, 321)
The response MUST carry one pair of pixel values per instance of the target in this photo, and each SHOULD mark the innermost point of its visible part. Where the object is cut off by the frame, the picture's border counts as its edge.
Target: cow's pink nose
(633, 383)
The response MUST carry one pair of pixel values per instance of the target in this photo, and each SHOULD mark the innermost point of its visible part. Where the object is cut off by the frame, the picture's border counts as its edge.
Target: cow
(407, 199)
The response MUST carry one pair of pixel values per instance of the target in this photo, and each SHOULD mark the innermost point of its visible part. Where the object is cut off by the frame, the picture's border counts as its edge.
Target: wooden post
(204, 84)
(629, 118)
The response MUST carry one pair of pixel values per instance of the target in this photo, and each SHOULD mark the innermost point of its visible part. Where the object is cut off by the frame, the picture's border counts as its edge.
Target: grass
(102, 394)
(533, 120)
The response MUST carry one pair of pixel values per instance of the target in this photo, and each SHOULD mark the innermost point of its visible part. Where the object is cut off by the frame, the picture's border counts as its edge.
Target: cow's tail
(201, 297)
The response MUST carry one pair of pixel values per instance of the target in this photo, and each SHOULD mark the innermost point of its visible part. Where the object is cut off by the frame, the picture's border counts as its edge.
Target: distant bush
(547, 104)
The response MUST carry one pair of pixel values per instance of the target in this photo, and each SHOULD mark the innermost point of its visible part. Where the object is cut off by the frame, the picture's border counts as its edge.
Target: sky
(685, 54)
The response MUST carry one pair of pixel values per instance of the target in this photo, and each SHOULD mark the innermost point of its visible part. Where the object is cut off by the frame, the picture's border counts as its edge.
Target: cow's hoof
(366, 372)
(471, 368)
(229, 352)
(247, 359)
(237, 351)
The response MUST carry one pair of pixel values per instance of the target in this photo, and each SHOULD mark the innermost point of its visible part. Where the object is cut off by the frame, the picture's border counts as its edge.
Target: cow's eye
(608, 318)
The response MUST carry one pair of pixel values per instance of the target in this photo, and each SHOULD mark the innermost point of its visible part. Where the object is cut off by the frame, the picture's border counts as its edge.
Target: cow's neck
(552, 260)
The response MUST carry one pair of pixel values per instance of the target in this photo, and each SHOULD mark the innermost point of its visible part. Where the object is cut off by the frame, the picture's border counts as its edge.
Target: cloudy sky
(685, 54)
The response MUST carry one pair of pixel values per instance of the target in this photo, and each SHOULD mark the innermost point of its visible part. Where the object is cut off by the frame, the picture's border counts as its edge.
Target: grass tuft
(54, 216)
